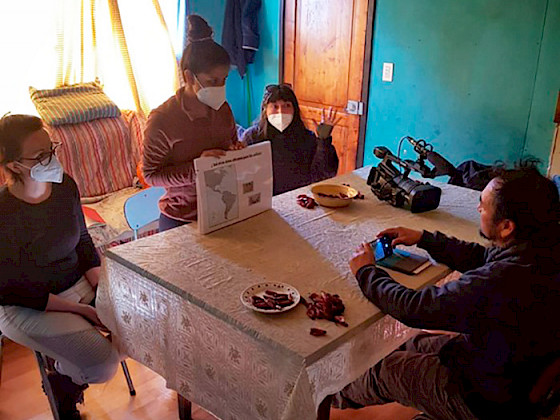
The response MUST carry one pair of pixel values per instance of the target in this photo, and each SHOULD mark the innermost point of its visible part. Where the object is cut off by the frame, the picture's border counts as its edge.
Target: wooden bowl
(333, 195)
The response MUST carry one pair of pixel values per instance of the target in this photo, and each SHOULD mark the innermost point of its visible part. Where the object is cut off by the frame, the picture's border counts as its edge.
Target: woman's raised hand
(328, 121)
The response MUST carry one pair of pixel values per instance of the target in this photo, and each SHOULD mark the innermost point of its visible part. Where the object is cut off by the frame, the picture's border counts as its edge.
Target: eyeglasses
(275, 87)
(45, 158)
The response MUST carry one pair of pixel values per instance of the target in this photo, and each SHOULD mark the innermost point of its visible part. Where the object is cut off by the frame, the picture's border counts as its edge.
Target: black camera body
(390, 183)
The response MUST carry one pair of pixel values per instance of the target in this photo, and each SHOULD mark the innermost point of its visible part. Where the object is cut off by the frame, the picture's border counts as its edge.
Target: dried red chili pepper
(339, 319)
(326, 306)
(272, 300)
(306, 201)
(316, 332)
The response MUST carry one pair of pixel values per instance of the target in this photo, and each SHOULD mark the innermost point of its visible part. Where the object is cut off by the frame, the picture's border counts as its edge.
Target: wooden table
(173, 299)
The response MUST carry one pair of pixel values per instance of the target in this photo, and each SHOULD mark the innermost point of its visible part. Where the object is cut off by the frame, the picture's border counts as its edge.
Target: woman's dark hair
(530, 200)
(202, 54)
(13, 130)
(273, 93)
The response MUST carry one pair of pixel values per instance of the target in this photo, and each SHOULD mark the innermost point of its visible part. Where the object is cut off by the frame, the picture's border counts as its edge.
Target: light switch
(387, 72)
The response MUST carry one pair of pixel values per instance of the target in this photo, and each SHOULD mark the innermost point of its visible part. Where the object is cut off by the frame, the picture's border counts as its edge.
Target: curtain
(27, 52)
(126, 44)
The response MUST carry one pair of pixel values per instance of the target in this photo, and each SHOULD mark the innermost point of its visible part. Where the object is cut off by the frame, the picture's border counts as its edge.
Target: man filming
(500, 315)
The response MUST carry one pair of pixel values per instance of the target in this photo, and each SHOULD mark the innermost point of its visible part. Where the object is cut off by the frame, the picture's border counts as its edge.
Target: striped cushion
(98, 154)
(73, 104)
(136, 125)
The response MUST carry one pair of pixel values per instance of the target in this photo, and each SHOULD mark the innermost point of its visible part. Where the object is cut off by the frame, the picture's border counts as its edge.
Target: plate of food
(270, 297)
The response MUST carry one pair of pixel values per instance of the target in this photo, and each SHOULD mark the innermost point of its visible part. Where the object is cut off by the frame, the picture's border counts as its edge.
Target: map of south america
(221, 185)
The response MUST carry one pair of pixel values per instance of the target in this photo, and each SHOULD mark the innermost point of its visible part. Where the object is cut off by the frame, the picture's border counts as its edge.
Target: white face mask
(53, 172)
(213, 96)
(280, 121)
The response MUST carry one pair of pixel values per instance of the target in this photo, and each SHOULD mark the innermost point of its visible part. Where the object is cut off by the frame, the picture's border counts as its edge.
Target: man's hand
(238, 145)
(402, 236)
(362, 256)
(217, 153)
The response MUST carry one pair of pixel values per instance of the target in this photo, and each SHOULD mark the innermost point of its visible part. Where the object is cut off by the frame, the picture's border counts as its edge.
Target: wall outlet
(387, 72)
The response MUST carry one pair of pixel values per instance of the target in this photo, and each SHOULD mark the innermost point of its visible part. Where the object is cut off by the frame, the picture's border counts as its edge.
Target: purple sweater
(299, 158)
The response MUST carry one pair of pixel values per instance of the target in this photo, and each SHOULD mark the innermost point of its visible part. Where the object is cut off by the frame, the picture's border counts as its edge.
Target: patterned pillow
(73, 104)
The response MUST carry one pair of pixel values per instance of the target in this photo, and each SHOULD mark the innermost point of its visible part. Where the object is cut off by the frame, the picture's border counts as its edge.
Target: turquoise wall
(245, 102)
(478, 79)
(547, 85)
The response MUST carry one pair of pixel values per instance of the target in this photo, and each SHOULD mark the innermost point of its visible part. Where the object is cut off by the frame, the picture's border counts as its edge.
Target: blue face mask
(53, 172)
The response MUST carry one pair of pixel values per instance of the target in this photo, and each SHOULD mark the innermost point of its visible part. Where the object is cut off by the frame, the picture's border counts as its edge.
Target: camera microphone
(442, 165)
(425, 150)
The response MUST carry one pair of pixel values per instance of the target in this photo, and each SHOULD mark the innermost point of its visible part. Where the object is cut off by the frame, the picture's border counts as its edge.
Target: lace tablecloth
(173, 299)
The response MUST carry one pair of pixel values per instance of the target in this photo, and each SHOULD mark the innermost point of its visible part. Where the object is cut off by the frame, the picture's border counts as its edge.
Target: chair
(142, 208)
(41, 361)
(139, 210)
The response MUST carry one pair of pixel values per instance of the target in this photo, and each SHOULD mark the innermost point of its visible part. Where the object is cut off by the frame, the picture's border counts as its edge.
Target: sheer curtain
(126, 44)
(27, 52)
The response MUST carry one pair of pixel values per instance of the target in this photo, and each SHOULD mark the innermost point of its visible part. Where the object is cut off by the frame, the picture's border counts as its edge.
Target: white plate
(260, 288)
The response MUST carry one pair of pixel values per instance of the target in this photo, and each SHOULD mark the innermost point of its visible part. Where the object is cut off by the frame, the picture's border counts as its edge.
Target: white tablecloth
(173, 300)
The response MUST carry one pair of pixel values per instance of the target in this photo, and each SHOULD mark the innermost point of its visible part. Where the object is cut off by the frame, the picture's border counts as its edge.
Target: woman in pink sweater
(195, 122)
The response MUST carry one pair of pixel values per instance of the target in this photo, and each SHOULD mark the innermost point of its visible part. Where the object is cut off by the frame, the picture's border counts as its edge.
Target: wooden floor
(21, 397)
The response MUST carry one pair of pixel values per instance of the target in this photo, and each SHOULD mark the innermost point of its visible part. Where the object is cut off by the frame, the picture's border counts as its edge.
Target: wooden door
(554, 168)
(324, 45)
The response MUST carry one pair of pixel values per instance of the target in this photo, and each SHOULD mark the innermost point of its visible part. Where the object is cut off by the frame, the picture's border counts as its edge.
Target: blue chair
(142, 208)
(139, 210)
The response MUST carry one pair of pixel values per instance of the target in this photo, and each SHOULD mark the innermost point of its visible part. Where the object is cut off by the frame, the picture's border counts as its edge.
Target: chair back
(142, 208)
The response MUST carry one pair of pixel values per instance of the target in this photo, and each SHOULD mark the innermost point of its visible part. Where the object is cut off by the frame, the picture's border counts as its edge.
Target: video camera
(390, 183)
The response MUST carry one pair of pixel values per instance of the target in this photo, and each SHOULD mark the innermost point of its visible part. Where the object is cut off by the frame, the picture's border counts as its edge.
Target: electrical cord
(399, 150)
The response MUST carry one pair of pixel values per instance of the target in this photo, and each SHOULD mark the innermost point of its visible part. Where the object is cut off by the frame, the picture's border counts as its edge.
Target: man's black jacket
(506, 307)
